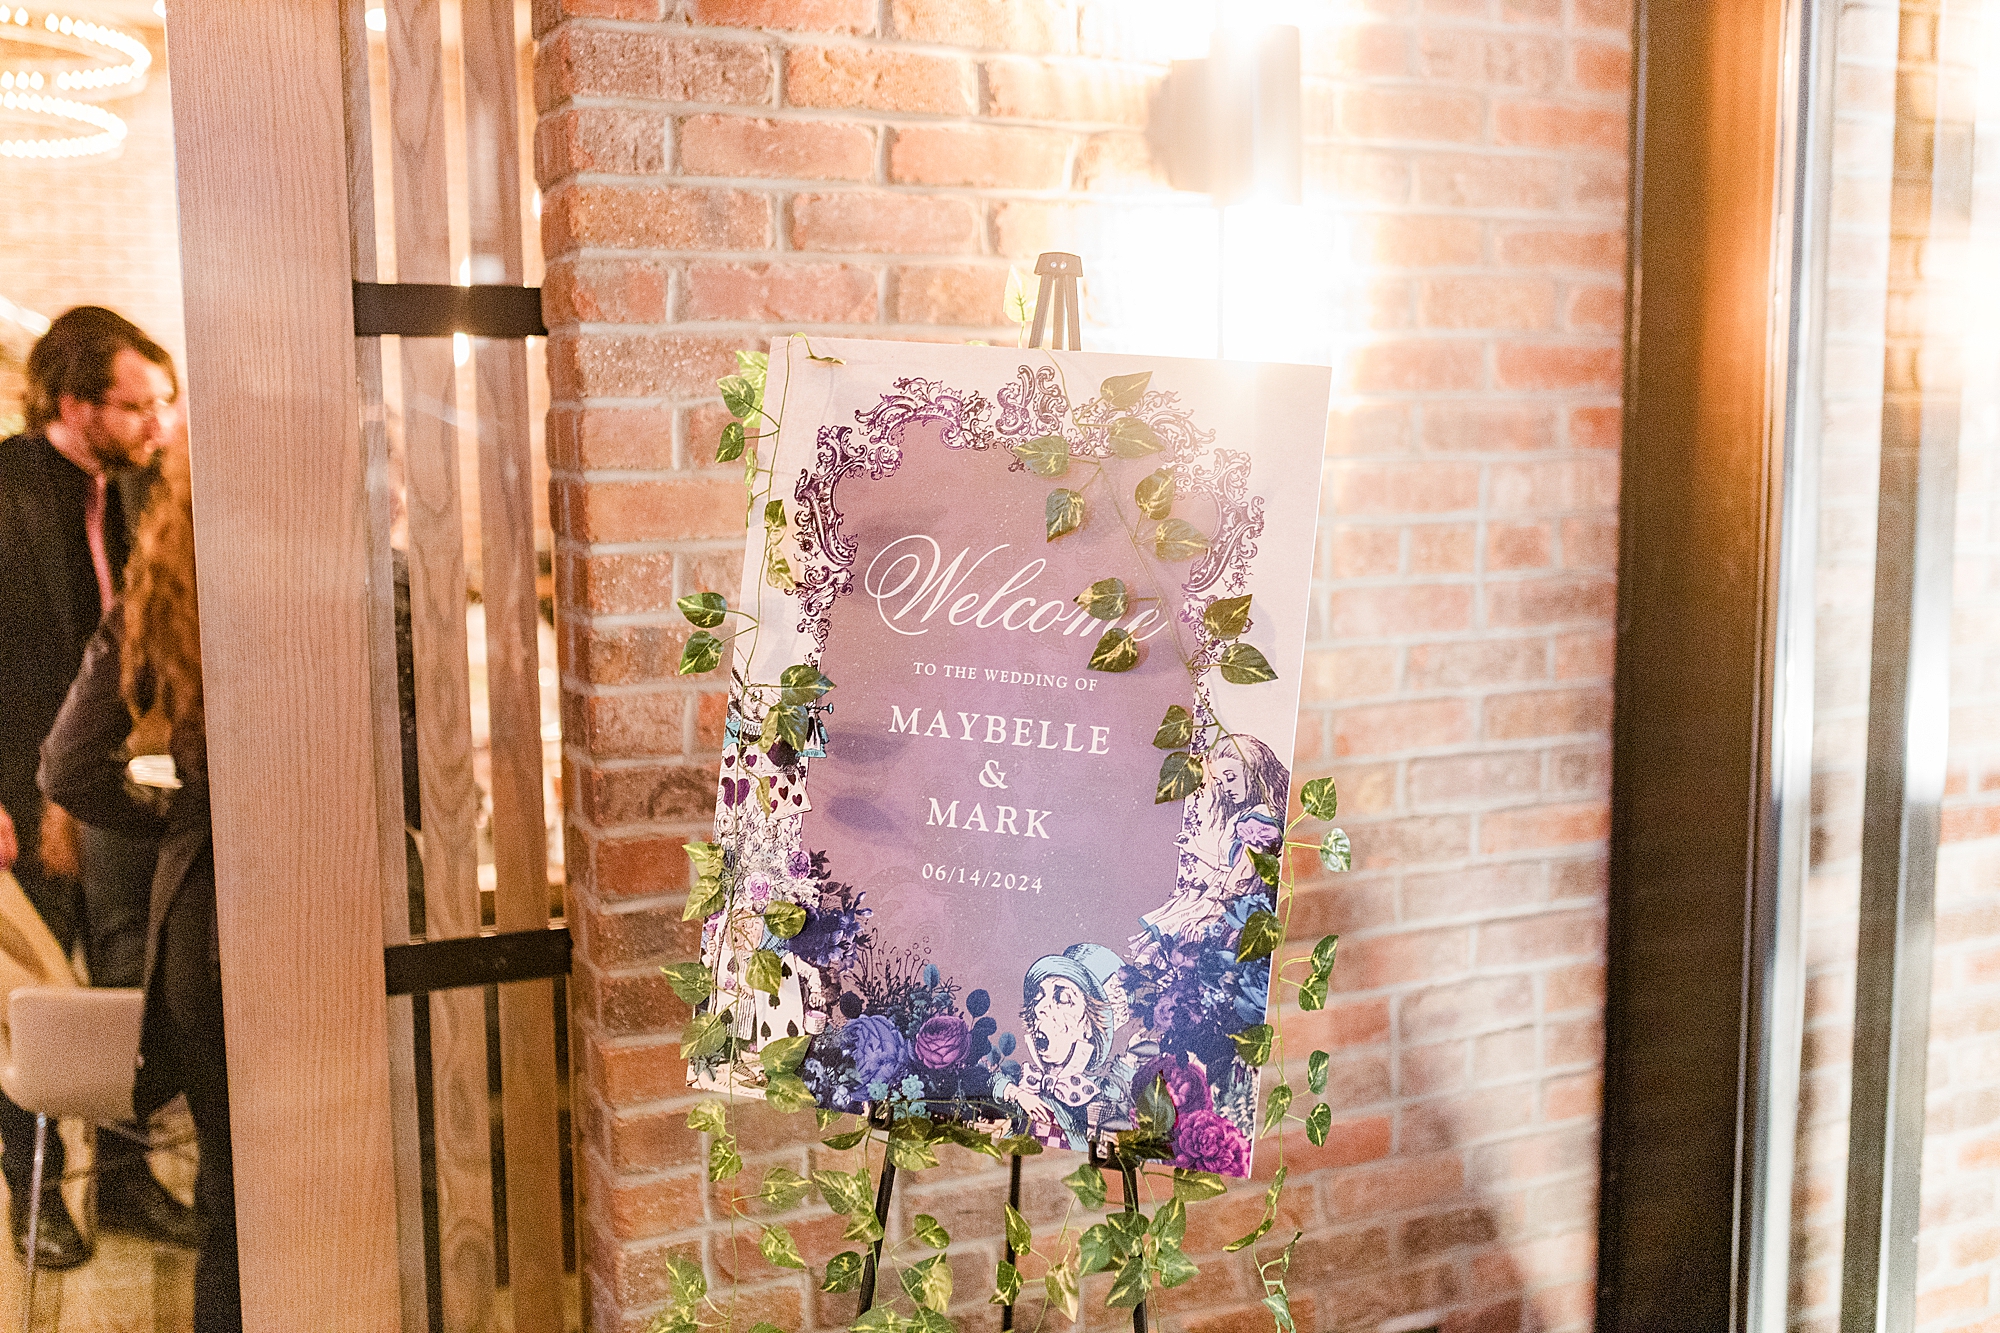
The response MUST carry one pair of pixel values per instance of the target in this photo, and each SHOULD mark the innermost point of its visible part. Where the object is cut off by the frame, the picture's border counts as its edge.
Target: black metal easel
(1058, 326)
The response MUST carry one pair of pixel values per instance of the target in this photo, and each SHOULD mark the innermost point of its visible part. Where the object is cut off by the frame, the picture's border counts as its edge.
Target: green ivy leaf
(1019, 1234)
(1176, 729)
(1104, 599)
(784, 1055)
(1123, 391)
(1174, 1267)
(1169, 1224)
(779, 1248)
(1316, 1072)
(774, 514)
(1242, 664)
(1312, 992)
(703, 899)
(846, 1192)
(1253, 1045)
(911, 1154)
(1227, 617)
(1275, 1107)
(740, 396)
(842, 1142)
(1087, 1183)
(1063, 511)
(703, 609)
(765, 972)
(703, 653)
(705, 857)
(1021, 1145)
(1098, 1248)
(1130, 1228)
(1117, 650)
(1180, 775)
(708, 1118)
(691, 981)
(1323, 951)
(1279, 1304)
(723, 1160)
(1178, 539)
(930, 1321)
(1318, 1122)
(1046, 455)
(1060, 1285)
(703, 1036)
(1133, 438)
(784, 920)
(783, 1188)
(1130, 1287)
(685, 1280)
(930, 1232)
(1134, 1147)
(787, 1092)
(730, 447)
(863, 1226)
(1017, 301)
(1270, 1216)
(1319, 798)
(1155, 494)
(802, 684)
(1335, 851)
(1267, 866)
(794, 725)
(1261, 934)
(1006, 1285)
(881, 1319)
(843, 1272)
(1190, 1186)
(753, 365)
(929, 1283)
(1154, 1107)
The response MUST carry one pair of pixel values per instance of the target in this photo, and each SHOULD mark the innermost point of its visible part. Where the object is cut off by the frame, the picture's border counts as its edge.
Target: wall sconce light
(1232, 121)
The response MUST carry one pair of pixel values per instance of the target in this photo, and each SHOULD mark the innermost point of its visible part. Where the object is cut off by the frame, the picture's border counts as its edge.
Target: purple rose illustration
(942, 1042)
(1206, 1142)
(1187, 1085)
(879, 1051)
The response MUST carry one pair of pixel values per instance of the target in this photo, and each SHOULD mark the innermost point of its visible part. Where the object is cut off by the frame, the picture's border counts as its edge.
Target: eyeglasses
(159, 409)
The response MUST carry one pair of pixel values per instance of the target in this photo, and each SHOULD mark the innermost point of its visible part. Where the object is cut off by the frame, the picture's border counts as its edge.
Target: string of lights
(64, 96)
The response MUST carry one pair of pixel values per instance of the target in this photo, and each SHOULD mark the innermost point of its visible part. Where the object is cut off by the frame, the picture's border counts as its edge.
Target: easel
(1058, 315)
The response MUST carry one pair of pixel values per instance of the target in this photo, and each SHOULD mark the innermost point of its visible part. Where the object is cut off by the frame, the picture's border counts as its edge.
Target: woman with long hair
(139, 694)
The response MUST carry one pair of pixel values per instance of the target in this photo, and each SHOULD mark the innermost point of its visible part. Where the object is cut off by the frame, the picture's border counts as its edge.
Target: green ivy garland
(1142, 1249)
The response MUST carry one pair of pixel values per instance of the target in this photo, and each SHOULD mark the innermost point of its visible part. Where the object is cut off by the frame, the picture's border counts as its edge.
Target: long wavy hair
(161, 669)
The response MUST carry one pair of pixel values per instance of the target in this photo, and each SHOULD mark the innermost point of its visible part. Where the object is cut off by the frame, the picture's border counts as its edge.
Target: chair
(73, 1053)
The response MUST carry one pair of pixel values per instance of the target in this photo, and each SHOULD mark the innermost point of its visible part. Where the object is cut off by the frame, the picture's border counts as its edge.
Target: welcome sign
(1014, 680)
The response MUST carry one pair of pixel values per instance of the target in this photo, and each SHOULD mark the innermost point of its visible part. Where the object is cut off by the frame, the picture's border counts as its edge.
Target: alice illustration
(1239, 809)
(1070, 1081)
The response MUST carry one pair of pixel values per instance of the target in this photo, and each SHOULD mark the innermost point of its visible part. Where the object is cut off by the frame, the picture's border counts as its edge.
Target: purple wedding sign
(1001, 925)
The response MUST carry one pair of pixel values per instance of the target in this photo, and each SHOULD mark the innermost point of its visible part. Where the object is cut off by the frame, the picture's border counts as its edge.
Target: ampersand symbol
(993, 777)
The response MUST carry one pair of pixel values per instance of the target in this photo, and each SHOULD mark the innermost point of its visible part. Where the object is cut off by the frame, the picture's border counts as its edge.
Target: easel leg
(1014, 1202)
(1131, 1174)
(882, 1194)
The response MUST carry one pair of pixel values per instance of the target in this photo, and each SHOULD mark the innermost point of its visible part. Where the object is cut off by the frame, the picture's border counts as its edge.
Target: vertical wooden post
(281, 515)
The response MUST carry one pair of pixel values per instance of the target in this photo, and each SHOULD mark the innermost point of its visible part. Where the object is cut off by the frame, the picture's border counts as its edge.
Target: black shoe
(133, 1202)
(58, 1244)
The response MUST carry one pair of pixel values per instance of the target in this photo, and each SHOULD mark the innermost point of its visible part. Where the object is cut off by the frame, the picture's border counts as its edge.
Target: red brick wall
(716, 171)
(102, 231)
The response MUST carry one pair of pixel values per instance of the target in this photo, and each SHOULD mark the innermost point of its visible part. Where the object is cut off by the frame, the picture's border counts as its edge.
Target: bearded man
(102, 398)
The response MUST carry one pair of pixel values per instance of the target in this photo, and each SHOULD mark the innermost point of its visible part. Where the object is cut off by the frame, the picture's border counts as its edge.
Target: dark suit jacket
(48, 610)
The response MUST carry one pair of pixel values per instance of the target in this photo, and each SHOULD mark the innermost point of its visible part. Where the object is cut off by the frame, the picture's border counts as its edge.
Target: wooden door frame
(281, 513)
